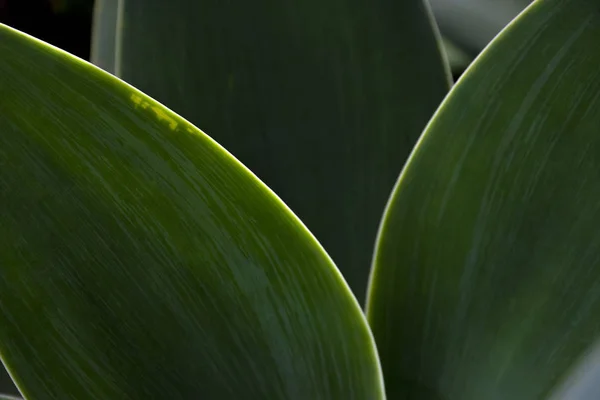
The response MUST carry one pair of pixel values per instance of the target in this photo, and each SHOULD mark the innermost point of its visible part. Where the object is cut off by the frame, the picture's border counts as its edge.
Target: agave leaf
(139, 259)
(486, 278)
(104, 34)
(323, 100)
(582, 382)
(8, 397)
(458, 59)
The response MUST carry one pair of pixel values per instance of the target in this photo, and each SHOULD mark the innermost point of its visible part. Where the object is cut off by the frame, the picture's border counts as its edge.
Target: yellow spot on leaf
(161, 115)
(137, 100)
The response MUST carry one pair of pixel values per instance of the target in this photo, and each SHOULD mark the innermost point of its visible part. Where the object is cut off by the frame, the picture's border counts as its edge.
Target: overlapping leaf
(323, 100)
(140, 260)
(104, 34)
(8, 397)
(487, 272)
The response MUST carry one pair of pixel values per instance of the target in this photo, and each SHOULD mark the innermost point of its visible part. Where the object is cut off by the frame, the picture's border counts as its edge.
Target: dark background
(65, 24)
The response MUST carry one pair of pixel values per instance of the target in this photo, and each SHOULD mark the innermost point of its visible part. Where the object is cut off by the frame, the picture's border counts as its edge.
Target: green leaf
(139, 259)
(323, 100)
(486, 279)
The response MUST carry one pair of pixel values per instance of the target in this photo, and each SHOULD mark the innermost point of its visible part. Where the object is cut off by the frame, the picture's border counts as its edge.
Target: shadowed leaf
(323, 100)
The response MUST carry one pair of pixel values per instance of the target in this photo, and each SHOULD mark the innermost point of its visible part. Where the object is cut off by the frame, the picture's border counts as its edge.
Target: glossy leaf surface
(487, 273)
(139, 259)
(322, 99)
